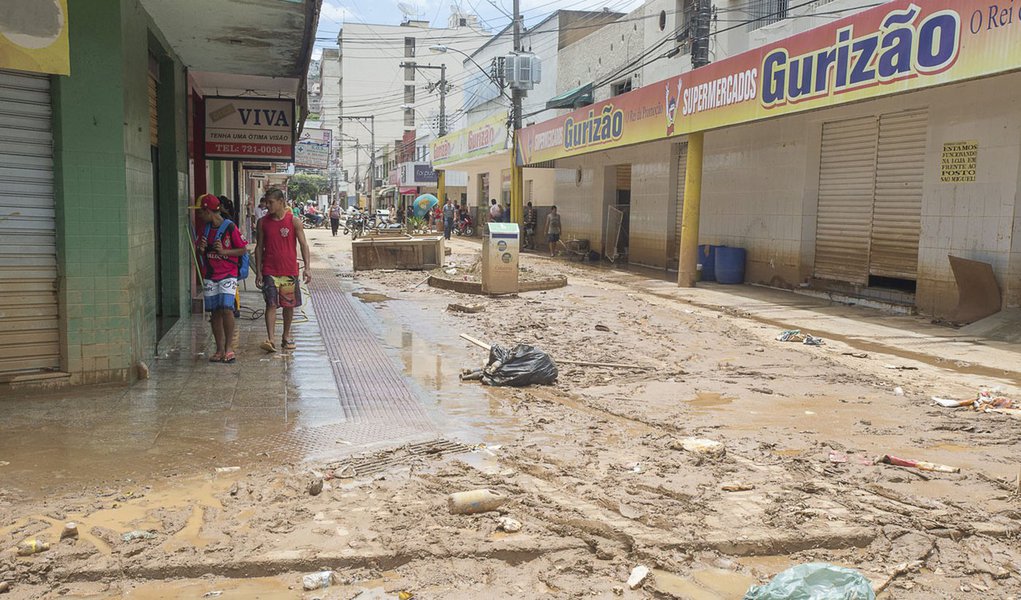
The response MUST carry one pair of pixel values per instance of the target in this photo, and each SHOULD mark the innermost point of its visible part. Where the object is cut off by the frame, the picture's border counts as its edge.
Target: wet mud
(594, 469)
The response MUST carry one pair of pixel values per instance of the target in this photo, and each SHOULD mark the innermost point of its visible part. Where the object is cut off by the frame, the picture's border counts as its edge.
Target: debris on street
(637, 577)
(700, 446)
(318, 581)
(814, 581)
(508, 525)
(795, 335)
(918, 464)
(30, 547)
(475, 501)
(138, 534)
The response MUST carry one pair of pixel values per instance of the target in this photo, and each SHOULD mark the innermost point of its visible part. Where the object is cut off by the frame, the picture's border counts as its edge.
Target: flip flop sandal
(216, 358)
(288, 344)
(230, 358)
(268, 346)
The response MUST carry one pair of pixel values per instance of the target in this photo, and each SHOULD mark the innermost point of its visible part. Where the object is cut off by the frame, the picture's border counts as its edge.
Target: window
(409, 117)
(409, 47)
(409, 72)
(766, 12)
(462, 22)
(409, 94)
(621, 87)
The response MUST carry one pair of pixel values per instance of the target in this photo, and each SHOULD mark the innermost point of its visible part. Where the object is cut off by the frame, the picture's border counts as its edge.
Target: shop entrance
(618, 215)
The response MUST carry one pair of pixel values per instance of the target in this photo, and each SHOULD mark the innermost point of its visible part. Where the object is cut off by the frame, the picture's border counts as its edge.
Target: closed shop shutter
(846, 187)
(682, 165)
(897, 213)
(29, 332)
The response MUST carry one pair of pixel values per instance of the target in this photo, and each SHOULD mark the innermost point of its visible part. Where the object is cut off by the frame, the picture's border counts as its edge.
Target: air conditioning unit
(522, 71)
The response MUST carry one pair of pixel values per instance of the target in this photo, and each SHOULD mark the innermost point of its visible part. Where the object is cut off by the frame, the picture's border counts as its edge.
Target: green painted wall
(105, 195)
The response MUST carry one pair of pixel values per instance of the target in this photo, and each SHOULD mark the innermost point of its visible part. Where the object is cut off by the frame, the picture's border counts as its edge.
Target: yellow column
(517, 185)
(688, 268)
(441, 186)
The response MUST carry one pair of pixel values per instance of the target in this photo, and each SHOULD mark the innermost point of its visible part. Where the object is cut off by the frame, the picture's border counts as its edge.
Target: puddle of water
(264, 588)
(766, 566)
(706, 584)
(371, 297)
(709, 400)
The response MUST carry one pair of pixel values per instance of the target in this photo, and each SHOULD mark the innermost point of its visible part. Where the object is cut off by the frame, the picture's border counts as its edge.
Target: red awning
(410, 191)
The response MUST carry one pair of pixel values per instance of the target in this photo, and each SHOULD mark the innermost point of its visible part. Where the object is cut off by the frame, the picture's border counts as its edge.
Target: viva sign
(896, 47)
(252, 129)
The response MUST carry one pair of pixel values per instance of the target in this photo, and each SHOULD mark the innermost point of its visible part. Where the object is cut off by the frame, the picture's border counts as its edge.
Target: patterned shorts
(284, 292)
(219, 295)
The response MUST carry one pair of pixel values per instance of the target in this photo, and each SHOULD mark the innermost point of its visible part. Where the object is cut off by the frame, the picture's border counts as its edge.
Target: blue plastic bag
(814, 581)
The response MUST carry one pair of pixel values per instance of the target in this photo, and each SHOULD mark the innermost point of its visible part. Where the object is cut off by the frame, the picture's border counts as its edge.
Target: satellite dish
(408, 9)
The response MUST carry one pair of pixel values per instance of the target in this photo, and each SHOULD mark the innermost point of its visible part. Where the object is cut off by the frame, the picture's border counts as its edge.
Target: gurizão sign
(892, 48)
(481, 139)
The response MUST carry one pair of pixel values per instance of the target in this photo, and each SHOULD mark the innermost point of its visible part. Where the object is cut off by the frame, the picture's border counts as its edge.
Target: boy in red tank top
(276, 266)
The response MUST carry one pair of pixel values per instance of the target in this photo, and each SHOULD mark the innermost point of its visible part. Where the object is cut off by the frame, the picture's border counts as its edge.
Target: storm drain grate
(358, 466)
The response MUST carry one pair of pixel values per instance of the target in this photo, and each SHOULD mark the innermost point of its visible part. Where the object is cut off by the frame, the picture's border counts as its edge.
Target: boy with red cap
(221, 247)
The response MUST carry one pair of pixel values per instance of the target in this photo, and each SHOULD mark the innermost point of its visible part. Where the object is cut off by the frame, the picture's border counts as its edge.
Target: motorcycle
(356, 225)
(310, 222)
(465, 226)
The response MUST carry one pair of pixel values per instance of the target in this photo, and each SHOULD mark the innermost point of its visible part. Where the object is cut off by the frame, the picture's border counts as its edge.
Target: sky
(493, 13)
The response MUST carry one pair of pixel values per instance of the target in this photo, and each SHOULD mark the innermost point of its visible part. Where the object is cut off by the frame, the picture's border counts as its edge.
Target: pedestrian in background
(221, 246)
(553, 230)
(276, 266)
(531, 220)
(448, 218)
(335, 217)
(495, 211)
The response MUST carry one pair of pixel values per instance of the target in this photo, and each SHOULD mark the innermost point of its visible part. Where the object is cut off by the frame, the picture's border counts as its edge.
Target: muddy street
(712, 454)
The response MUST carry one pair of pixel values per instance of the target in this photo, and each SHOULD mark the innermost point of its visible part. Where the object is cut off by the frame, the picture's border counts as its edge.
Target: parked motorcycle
(465, 226)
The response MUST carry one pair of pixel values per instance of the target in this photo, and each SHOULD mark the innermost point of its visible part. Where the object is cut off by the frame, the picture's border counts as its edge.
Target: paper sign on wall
(959, 162)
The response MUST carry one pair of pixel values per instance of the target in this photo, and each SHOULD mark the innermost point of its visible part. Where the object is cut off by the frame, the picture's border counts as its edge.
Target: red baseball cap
(208, 202)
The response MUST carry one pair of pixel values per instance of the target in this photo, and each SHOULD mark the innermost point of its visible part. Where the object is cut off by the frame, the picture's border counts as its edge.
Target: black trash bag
(520, 366)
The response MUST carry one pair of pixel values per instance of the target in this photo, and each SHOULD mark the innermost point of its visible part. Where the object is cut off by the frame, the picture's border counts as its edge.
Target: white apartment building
(364, 76)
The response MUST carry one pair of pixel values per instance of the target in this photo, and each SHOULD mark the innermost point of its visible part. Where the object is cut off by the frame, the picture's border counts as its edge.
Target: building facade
(833, 176)
(100, 155)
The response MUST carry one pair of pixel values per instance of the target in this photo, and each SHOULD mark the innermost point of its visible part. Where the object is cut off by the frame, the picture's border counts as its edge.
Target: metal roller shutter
(29, 331)
(897, 212)
(682, 166)
(846, 188)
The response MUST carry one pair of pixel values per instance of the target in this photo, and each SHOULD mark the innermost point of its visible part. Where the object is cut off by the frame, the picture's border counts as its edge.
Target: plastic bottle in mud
(29, 547)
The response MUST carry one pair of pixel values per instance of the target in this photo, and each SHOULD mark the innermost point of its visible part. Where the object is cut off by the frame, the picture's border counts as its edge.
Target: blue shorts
(220, 295)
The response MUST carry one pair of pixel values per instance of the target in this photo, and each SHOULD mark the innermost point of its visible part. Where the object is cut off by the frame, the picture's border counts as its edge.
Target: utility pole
(441, 86)
(517, 182)
(372, 148)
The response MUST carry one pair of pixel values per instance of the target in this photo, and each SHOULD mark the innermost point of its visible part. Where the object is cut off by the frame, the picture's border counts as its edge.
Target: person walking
(495, 211)
(335, 217)
(448, 218)
(531, 220)
(553, 230)
(276, 266)
(221, 247)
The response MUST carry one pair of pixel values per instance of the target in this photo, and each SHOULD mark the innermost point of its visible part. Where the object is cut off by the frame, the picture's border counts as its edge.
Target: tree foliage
(306, 186)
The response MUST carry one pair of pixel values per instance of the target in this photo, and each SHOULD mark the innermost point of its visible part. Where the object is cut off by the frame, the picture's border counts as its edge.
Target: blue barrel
(730, 264)
(707, 258)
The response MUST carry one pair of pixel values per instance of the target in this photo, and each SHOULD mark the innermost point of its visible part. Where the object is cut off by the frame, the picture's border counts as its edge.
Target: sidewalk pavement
(192, 415)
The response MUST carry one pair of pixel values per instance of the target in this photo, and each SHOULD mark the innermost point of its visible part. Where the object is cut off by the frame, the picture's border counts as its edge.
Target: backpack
(245, 259)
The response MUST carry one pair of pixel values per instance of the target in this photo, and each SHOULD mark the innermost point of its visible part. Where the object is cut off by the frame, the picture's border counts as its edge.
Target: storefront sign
(481, 139)
(959, 162)
(417, 174)
(896, 47)
(33, 36)
(313, 148)
(249, 129)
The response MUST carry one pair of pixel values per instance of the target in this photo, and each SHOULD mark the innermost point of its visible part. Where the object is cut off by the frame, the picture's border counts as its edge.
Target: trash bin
(730, 264)
(500, 258)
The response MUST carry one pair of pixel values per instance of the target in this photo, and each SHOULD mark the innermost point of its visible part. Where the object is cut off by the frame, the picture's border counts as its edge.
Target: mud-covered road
(595, 468)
